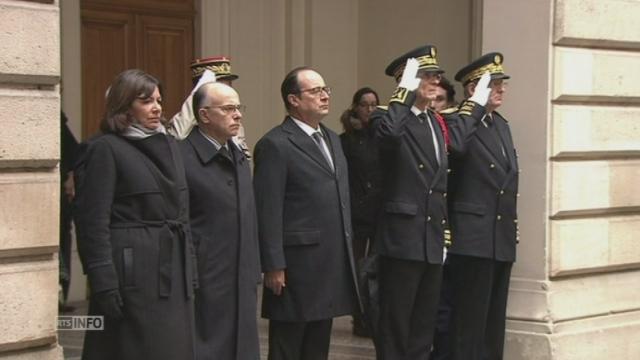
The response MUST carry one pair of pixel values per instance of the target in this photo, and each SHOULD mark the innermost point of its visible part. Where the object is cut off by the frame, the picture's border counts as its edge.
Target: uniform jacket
(483, 193)
(414, 205)
(132, 221)
(225, 233)
(304, 225)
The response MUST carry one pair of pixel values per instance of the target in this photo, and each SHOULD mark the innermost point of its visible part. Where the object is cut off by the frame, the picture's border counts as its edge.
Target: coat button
(449, 170)
(515, 221)
(444, 221)
(501, 192)
(444, 195)
(499, 217)
(421, 166)
(428, 218)
(430, 191)
(492, 166)
(518, 195)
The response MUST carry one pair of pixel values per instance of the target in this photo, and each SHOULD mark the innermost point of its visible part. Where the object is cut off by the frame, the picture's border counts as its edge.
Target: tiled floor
(344, 346)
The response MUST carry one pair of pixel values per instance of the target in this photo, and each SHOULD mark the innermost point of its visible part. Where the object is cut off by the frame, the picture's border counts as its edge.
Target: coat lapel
(490, 142)
(505, 134)
(305, 143)
(416, 130)
(203, 147)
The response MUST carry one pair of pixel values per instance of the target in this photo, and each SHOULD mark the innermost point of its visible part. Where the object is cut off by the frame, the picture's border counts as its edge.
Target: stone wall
(575, 291)
(29, 181)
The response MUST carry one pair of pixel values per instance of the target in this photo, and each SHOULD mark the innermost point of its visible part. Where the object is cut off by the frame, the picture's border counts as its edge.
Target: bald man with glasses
(224, 227)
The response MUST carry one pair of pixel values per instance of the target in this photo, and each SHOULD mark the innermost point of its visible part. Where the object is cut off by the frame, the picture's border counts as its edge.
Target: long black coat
(304, 225)
(483, 195)
(132, 220)
(224, 227)
(361, 150)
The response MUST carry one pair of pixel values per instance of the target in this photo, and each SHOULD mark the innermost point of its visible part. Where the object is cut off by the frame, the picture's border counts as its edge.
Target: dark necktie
(431, 155)
(318, 139)
(224, 152)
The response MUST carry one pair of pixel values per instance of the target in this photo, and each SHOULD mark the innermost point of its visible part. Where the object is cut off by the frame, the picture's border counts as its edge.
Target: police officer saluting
(483, 187)
(414, 142)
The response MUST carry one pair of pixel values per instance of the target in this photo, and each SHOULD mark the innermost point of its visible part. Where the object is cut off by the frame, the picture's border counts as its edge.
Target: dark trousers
(480, 291)
(441, 340)
(299, 340)
(409, 293)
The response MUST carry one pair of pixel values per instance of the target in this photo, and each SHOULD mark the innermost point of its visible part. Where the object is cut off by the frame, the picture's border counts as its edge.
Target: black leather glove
(109, 303)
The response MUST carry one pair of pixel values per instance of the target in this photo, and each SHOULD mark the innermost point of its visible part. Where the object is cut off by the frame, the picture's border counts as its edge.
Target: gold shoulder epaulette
(450, 110)
(383, 107)
(399, 95)
(466, 108)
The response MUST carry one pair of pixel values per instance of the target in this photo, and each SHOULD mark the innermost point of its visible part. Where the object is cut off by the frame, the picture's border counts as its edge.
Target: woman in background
(361, 151)
(133, 238)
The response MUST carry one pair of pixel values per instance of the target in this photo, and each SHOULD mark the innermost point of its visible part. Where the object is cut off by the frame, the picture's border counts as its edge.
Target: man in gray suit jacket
(302, 197)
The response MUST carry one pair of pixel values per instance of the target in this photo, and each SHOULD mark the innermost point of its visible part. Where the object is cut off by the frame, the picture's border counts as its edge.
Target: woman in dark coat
(133, 236)
(361, 151)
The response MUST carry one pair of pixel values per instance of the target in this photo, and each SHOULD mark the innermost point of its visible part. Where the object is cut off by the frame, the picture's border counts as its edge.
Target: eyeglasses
(227, 109)
(317, 90)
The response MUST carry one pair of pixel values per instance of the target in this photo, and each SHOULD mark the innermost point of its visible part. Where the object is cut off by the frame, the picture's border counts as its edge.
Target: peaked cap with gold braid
(427, 61)
(491, 62)
(219, 65)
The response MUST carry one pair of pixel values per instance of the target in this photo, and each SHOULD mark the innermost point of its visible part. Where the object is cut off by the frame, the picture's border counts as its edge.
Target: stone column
(29, 180)
(574, 109)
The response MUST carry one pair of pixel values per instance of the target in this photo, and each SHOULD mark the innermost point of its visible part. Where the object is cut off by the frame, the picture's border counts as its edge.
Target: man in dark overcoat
(483, 191)
(414, 142)
(224, 228)
(302, 196)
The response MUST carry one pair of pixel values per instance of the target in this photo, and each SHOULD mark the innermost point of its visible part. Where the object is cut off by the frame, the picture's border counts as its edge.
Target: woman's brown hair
(128, 86)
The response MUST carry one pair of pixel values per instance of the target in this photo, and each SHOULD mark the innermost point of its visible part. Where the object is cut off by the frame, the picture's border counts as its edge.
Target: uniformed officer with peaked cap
(414, 142)
(483, 188)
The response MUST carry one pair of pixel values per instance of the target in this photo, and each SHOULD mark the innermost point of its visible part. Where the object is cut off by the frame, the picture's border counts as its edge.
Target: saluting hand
(275, 281)
(482, 91)
(409, 79)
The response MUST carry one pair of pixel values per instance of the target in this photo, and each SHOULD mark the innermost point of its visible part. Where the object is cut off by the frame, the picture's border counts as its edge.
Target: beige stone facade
(29, 181)
(573, 105)
(574, 111)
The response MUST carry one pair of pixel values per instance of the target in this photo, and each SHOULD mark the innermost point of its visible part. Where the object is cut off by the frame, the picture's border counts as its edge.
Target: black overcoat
(132, 220)
(483, 195)
(304, 225)
(225, 233)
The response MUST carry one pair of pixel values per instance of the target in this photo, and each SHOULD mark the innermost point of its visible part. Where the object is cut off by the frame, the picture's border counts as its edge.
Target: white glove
(207, 76)
(444, 254)
(481, 94)
(409, 80)
(185, 120)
